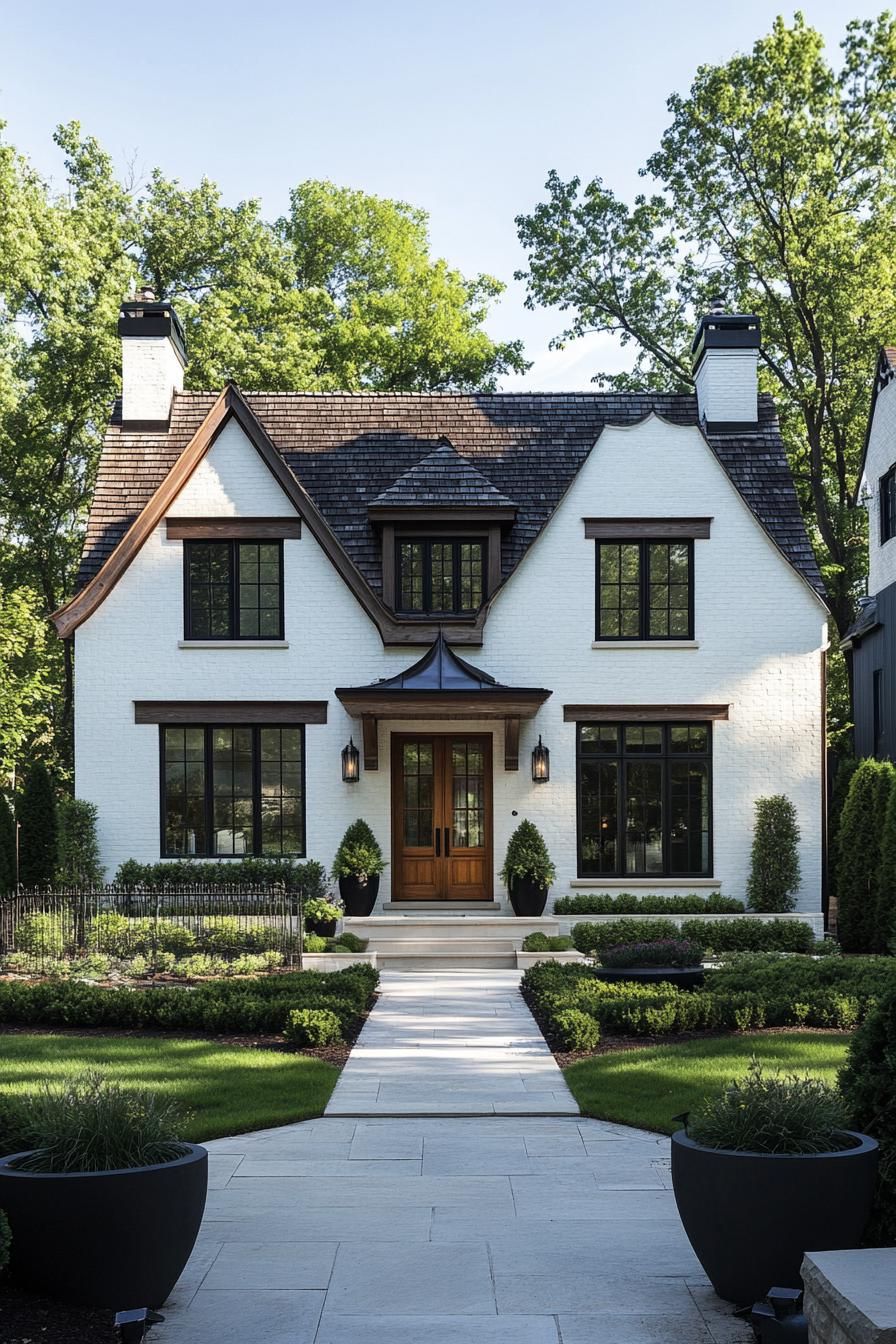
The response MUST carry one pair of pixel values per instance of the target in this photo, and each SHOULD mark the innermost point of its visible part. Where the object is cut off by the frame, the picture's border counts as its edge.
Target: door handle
(438, 838)
(447, 842)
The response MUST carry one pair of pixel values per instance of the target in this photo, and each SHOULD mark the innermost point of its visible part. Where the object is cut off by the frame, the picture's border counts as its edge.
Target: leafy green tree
(27, 695)
(341, 292)
(774, 859)
(859, 856)
(775, 185)
(38, 828)
(7, 847)
(79, 851)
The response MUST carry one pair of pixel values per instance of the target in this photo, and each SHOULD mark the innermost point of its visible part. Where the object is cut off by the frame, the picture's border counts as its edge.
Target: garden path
(495, 1227)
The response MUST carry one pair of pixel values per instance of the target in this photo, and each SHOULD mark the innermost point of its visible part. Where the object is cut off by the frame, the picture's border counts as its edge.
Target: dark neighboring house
(872, 638)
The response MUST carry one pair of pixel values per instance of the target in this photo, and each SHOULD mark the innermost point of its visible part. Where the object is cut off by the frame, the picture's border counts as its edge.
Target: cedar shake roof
(350, 449)
(445, 479)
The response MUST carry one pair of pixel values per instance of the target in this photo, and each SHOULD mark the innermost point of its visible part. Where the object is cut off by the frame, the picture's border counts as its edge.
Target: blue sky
(460, 108)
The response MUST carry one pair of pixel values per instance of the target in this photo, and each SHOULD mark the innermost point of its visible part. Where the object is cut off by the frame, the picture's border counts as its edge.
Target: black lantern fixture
(541, 763)
(351, 763)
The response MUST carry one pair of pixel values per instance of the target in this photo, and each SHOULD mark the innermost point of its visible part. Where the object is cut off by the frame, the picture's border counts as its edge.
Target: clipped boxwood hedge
(626, 903)
(752, 992)
(715, 935)
(238, 1006)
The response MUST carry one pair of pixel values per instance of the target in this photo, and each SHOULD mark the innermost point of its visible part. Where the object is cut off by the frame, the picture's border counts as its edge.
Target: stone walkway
(451, 1043)
(499, 1228)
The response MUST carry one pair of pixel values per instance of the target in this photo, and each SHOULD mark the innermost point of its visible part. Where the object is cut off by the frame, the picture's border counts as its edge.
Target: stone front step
(443, 909)
(446, 942)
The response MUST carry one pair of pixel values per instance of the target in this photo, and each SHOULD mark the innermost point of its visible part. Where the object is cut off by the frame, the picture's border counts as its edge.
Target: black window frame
(887, 500)
(622, 757)
(427, 542)
(233, 634)
(209, 794)
(643, 543)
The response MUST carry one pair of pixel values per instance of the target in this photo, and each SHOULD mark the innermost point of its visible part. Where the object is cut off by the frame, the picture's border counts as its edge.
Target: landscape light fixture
(351, 763)
(541, 763)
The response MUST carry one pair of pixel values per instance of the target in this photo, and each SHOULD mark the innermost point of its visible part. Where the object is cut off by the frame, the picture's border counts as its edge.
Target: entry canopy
(440, 685)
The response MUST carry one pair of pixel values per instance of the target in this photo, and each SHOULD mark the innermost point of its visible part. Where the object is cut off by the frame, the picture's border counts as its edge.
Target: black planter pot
(324, 928)
(111, 1239)
(527, 897)
(685, 977)
(359, 896)
(750, 1217)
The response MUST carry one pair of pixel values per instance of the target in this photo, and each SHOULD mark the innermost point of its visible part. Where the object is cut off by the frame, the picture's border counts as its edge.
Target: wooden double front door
(441, 817)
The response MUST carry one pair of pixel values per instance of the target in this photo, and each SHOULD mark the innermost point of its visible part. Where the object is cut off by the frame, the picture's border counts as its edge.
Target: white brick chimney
(726, 358)
(153, 356)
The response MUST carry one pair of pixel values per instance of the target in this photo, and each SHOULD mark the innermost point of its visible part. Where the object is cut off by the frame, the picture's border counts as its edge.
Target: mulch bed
(38, 1320)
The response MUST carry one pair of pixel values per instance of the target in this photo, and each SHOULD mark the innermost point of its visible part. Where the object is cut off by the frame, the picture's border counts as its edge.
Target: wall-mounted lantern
(351, 763)
(541, 763)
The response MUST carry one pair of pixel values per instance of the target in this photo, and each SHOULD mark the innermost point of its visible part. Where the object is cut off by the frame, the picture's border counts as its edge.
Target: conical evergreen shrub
(846, 768)
(79, 851)
(774, 858)
(7, 847)
(884, 933)
(39, 829)
(859, 855)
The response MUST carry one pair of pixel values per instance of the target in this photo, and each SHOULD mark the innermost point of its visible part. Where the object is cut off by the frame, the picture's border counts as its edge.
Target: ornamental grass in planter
(103, 1198)
(528, 871)
(766, 1172)
(357, 867)
(677, 961)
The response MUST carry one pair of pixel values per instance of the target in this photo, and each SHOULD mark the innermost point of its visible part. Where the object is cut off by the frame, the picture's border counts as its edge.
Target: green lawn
(228, 1089)
(648, 1087)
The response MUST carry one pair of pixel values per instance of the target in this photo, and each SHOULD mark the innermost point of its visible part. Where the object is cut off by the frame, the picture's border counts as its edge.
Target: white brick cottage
(625, 578)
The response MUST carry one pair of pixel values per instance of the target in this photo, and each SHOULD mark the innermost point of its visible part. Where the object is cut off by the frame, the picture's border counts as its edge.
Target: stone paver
(486, 1229)
(451, 1043)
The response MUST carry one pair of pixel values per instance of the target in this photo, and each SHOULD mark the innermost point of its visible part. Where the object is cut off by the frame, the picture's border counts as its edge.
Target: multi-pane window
(234, 589)
(644, 590)
(888, 505)
(233, 791)
(644, 799)
(440, 577)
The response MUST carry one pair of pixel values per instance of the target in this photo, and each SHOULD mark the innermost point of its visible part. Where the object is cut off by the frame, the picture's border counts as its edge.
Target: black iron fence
(149, 931)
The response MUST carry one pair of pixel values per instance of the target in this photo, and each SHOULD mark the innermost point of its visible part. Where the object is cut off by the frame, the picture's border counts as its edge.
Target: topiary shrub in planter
(674, 961)
(868, 1084)
(527, 872)
(105, 1203)
(774, 858)
(766, 1172)
(357, 867)
(321, 916)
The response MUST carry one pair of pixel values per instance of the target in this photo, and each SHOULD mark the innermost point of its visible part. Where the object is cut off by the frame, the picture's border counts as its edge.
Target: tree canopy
(341, 292)
(774, 185)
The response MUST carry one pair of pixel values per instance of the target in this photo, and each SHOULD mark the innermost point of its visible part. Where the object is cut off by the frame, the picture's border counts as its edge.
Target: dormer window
(888, 505)
(233, 589)
(440, 576)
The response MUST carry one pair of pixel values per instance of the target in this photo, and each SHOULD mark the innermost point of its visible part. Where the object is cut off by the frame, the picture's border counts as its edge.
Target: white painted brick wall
(881, 456)
(759, 628)
(727, 386)
(151, 371)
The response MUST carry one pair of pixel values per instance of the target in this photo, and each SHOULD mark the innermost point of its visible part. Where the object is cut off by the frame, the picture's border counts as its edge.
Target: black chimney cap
(156, 317)
(725, 331)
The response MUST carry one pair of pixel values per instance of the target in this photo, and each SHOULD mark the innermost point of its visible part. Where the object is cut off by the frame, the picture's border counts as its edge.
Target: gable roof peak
(443, 478)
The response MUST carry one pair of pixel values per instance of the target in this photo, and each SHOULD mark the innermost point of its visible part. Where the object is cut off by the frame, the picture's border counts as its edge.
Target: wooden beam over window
(642, 713)
(232, 529)
(230, 711)
(658, 529)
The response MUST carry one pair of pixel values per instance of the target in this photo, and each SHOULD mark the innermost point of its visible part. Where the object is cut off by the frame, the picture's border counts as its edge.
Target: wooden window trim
(209, 796)
(643, 713)
(622, 759)
(233, 635)
(229, 713)
(233, 529)
(654, 529)
(644, 635)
